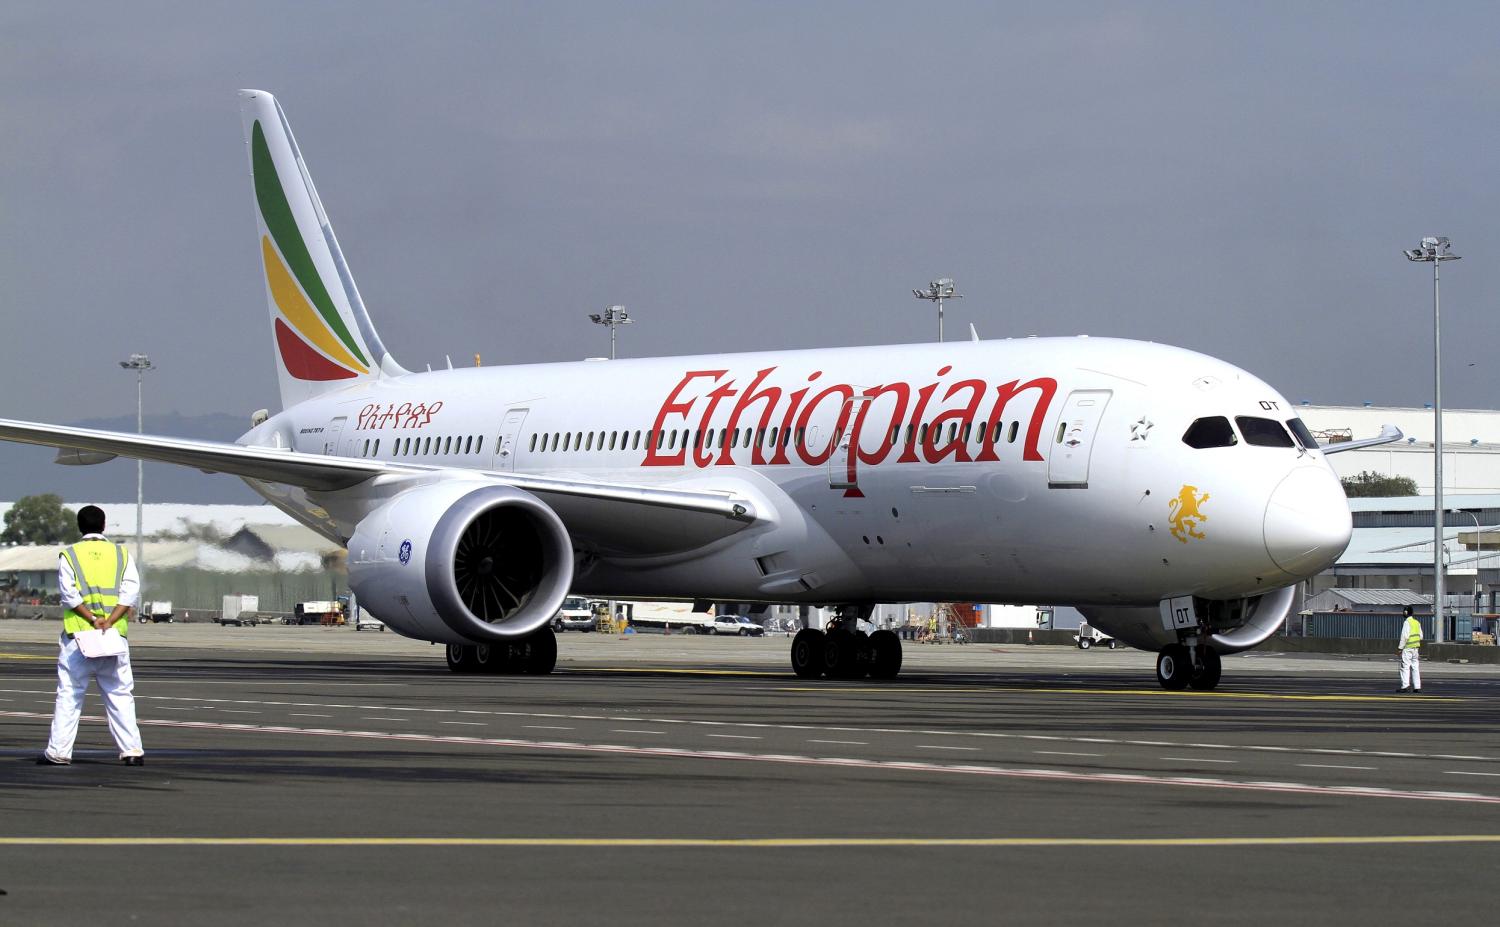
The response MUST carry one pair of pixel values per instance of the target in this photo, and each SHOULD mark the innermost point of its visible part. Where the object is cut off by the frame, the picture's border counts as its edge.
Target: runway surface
(318, 775)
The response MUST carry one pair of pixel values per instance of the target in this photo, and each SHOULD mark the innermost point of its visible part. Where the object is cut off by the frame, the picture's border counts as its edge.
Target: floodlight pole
(1434, 250)
(614, 317)
(936, 292)
(140, 363)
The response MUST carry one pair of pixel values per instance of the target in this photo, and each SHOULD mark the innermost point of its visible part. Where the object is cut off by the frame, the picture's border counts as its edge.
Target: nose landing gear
(1179, 666)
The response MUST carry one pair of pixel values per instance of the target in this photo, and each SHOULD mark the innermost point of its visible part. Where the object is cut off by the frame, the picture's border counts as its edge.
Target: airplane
(1174, 499)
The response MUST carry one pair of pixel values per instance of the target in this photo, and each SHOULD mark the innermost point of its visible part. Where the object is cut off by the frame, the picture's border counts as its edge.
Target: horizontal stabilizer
(1388, 433)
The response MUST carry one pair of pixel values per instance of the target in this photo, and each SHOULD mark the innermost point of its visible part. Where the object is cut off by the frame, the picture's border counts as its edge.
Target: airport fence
(1375, 625)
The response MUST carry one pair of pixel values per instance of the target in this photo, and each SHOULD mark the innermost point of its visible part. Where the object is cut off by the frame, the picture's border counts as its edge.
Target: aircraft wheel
(540, 652)
(1173, 667)
(841, 655)
(886, 663)
(1207, 675)
(462, 658)
(807, 653)
(1113, 643)
(1084, 643)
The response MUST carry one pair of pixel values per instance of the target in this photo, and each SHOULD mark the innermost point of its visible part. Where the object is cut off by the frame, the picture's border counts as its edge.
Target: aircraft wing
(590, 508)
(1388, 433)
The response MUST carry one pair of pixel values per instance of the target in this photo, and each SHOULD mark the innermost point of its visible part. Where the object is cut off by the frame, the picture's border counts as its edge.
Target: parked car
(737, 624)
(576, 614)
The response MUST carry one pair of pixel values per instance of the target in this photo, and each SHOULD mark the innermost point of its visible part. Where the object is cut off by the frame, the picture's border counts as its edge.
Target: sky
(1238, 179)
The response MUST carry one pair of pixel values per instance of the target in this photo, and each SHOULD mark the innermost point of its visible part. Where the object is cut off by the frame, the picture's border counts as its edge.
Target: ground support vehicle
(1088, 636)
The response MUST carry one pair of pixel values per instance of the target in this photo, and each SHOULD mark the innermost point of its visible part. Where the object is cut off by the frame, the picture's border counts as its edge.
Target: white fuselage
(1040, 470)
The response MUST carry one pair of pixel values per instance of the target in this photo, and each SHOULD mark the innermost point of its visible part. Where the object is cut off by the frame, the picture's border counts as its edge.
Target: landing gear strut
(844, 652)
(535, 654)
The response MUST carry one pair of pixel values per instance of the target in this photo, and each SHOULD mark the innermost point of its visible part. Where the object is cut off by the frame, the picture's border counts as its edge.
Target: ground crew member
(99, 586)
(1407, 645)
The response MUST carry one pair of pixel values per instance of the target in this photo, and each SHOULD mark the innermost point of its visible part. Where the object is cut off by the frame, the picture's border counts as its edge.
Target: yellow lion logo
(1184, 514)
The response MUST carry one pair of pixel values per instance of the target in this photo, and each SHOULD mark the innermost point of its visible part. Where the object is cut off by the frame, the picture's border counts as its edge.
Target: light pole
(1478, 555)
(614, 317)
(1434, 251)
(140, 363)
(937, 291)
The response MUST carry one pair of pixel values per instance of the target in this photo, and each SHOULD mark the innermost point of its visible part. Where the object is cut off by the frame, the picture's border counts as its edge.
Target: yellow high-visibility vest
(1413, 633)
(98, 567)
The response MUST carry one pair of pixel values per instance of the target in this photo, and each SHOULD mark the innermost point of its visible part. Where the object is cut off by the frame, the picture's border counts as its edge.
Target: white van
(576, 614)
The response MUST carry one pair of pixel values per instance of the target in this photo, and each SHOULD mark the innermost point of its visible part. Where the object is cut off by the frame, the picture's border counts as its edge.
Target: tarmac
(318, 775)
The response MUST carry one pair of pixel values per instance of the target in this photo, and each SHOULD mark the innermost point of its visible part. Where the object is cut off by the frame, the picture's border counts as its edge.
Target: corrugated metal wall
(1371, 626)
(190, 589)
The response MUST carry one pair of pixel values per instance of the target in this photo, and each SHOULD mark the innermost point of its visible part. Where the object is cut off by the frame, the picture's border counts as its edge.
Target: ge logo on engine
(405, 553)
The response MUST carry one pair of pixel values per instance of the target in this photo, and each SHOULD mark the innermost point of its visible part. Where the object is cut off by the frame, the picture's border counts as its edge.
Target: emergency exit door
(331, 435)
(1074, 437)
(507, 445)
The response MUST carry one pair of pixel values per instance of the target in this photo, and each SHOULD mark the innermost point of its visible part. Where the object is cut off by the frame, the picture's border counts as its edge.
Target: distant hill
(26, 471)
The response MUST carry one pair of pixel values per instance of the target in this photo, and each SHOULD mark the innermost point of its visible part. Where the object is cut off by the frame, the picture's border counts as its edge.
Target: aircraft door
(841, 463)
(331, 435)
(1073, 440)
(507, 445)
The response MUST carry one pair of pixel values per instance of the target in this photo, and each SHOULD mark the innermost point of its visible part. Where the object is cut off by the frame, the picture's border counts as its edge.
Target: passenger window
(567, 441)
(377, 447)
(1062, 429)
(1263, 432)
(448, 444)
(1210, 432)
(1300, 432)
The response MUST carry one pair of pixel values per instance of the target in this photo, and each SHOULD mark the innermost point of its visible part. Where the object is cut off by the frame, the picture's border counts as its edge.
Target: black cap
(1406, 611)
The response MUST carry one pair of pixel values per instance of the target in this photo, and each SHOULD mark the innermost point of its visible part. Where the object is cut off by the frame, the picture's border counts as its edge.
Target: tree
(1367, 484)
(40, 520)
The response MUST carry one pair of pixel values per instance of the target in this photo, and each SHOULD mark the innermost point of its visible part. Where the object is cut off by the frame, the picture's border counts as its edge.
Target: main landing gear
(844, 652)
(535, 654)
(1179, 666)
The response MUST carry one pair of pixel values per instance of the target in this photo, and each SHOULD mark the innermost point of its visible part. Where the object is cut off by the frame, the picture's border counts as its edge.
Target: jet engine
(1235, 624)
(462, 562)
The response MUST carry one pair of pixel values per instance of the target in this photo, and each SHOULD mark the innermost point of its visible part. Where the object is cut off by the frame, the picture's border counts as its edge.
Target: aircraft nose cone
(1307, 522)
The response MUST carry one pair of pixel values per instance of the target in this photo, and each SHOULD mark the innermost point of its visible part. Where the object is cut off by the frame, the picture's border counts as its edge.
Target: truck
(575, 614)
(239, 610)
(317, 612)
(669, 616)
(154, 612)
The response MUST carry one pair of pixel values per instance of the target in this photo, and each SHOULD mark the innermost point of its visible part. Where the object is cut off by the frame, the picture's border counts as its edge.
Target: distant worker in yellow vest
(99, 587)
(1408, 644)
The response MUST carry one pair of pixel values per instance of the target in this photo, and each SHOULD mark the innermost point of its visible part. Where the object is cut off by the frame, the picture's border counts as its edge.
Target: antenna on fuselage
(973, 333)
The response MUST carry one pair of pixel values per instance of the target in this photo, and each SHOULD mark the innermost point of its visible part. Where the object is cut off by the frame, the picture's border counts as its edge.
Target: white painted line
(1004, 772)
(383, 719)
(735, 736)
(1333, 766)
(851, 743)
(546, 727)
(465, 723)
(238, 711)
(1460, 772)
(941, 747)
(1194, 759)
(307, 714)
(171, 708)
(1064, 753)
(624, 730)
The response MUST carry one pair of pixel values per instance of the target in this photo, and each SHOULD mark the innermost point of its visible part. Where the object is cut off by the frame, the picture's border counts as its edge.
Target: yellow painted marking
(25, 656)
(751, 842)
(294, 306)
(675, 671)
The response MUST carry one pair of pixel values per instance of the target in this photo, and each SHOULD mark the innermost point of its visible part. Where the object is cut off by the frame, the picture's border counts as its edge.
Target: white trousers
(1411, 669)
(116, 684)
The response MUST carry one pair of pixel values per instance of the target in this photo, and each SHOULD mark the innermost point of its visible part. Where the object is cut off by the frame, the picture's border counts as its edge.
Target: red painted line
(1050, 775)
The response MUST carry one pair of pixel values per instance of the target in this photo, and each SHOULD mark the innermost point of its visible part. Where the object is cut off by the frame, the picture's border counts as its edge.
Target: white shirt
(67, 583)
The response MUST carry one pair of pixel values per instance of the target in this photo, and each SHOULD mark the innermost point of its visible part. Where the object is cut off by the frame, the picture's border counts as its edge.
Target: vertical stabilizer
(322, 335)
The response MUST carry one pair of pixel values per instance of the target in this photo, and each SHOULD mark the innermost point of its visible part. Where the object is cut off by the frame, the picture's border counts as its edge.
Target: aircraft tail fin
(322, 335)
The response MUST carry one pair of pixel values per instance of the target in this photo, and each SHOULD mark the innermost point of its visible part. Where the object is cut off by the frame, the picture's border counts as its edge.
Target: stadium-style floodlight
(937, 291)
(140, 363)
(614, 317)
(1434, 250)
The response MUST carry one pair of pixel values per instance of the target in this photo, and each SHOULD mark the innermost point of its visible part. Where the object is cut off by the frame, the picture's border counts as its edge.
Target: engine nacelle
(1236, 624)
(462, 562)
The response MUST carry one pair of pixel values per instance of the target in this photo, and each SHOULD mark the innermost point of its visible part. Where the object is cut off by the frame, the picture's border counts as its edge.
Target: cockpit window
(1210, 432)
(1300, 432)
(1263, 432)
